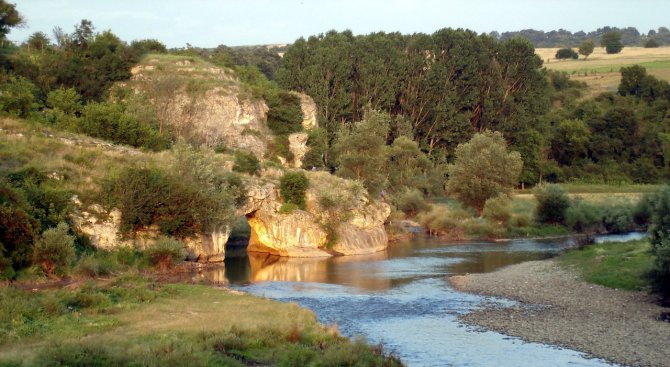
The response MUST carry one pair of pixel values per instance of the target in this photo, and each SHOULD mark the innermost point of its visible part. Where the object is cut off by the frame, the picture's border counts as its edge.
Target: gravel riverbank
(558, 308)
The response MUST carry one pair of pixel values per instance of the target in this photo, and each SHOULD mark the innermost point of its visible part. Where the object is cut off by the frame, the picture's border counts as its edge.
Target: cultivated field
(601, 71)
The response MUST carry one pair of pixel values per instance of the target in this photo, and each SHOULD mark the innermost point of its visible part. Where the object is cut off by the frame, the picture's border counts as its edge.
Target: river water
(401, 298)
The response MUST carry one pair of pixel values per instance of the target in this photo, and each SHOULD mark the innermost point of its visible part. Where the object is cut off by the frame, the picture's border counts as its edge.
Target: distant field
(601, 71)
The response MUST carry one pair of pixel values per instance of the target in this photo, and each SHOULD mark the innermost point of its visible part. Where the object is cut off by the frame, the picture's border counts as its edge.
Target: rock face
(297, 144)
(309, 119)
(204, 103)
(318, 231)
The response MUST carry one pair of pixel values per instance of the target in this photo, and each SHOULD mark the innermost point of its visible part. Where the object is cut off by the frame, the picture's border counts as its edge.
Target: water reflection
(400, 298)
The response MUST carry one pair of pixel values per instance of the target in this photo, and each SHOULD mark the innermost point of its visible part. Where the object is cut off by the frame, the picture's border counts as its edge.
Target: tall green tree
(612, 42)
(360, 151)
(586, 48)
(483, 169)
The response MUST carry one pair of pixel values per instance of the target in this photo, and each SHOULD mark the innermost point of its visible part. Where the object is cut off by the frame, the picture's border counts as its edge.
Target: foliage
(586, 49)
(659, 235)
(288, 208)
(618, 219)
(584, 217)
(317, 144)
(566, 53)
(284, 112)
(498, 209)
(192, 196)
(407, 165)
(447, 85)
(17, 95)
(165, 252)
(54, 251)
(651, 43)
(411, 202)
(483, 169)
(612, 42)
(246, 162)
(360, 148)
(115, 122)
(552, 203)
(292, 186)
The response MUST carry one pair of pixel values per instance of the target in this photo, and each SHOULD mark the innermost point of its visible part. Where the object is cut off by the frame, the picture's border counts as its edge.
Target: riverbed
(401, 298)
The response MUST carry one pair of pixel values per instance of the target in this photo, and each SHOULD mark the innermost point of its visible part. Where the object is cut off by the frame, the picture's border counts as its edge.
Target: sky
(209, 23)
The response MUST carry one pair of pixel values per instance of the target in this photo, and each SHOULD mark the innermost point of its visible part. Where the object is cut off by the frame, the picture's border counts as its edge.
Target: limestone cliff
(202, 102)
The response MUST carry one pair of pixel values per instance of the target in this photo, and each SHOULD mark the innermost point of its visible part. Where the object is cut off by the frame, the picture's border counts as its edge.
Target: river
(401, 298)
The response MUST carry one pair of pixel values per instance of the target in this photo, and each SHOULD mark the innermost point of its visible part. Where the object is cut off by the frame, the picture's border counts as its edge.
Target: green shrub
(317, 143)
(96, 264)
(246, 163)
(583, 217)
(411, 202)
(192, 196)
(618, 219)
(293, 186)
(498, 209)
(112, 121)
(566, 53)
(17, 95)
(165, 253)
(520, 220)
(287, 208)
(55, 249)
(552, 203)
(659, 236)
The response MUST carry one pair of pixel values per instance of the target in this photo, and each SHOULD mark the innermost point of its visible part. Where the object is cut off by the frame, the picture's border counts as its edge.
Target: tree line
(563, 38)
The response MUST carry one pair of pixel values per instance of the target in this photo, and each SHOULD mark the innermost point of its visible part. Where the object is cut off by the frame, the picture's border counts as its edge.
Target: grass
(623, 265)
(601, 71)
(133, 321)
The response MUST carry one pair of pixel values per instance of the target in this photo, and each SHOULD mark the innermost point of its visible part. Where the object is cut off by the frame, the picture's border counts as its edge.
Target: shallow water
(401, 298)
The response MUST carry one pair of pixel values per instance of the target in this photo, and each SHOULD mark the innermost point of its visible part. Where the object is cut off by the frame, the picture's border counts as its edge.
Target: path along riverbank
(556, 307)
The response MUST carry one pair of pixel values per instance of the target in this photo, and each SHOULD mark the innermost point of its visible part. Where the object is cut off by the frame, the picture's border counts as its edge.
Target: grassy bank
(623, 265)
(134, 321)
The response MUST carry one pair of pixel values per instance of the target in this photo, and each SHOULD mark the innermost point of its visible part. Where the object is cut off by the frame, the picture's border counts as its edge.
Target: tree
(586, 49)
(552, 204)
(483, 169)
(293, 186)
(612, 42)
(360, 151)
(651, 43)
(38, 41)
(566, 53)
(9, 18)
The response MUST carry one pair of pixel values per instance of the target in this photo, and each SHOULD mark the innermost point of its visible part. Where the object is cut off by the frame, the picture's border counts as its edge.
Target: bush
(55, 250)
(165, 253)
(411, 202)
(498, 209)
(552, 203)
(246, 163)
(292, 187)
(287, 208)
(317, 143)
(583, 217)
(566, 53)
(659, 236)
(618, 219)
(651, 43)
(97, 264)
(17, 96)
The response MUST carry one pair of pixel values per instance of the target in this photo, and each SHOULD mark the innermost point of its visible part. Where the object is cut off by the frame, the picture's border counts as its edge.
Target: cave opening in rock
(239, 238)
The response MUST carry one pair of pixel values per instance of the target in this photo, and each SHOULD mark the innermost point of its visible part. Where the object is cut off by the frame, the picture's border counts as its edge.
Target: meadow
(600, 71)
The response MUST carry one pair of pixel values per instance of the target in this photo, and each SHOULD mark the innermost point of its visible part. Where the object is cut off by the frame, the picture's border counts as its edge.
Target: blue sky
(208, 23)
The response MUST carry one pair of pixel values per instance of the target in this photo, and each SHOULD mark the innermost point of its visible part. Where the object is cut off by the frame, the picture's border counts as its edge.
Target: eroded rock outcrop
(201, 102)
(352, 225)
